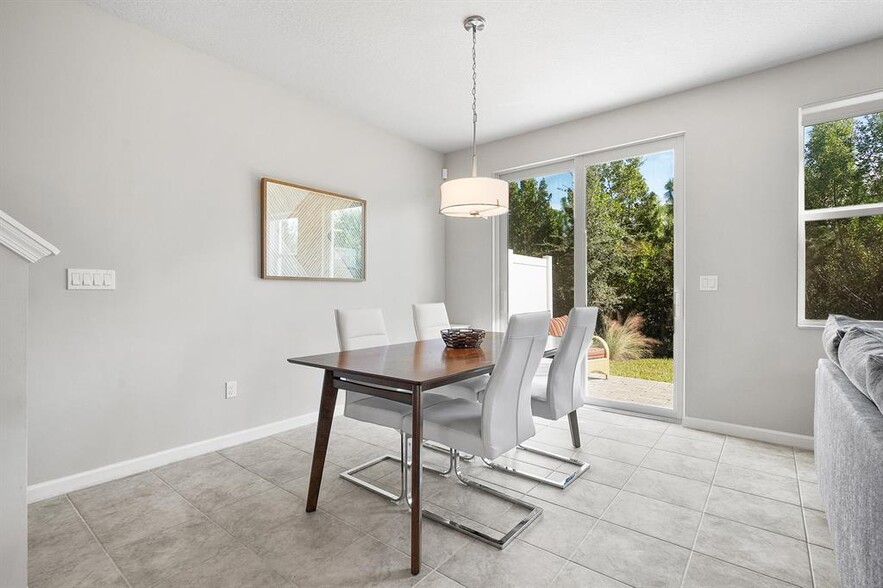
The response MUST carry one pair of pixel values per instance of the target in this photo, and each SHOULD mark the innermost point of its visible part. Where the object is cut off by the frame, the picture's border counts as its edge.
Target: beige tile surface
(632, 557)
(708, 572)
(781, 488)
(254, 516)
(135, 508)
(237, 518)
(765, 513)
(519, 565)
(169, 552)
(576, 576)
(817, 531)
(271, 459)
(680, 465)
(211, 481)
(669, 487)
(810, 496)
(582, 496)
(769, 553)
(656, 518)
(824, 567)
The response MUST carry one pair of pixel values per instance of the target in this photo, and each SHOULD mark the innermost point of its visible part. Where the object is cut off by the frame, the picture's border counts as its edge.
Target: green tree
(844, 166)
(631, 248)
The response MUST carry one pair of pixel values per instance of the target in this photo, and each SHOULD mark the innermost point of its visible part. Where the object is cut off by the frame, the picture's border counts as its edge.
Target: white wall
(140, 155)
(13, 419)
(746, 361)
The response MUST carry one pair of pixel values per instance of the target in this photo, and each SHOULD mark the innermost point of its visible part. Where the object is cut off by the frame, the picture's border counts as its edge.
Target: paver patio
(631, 390)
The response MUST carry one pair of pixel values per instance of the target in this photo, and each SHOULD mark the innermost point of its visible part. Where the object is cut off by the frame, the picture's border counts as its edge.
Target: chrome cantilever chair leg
(582, 467)
(508, 537)
(445, 449)
(403, 496)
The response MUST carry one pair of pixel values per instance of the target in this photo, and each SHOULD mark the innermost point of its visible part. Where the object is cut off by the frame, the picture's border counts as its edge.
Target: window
(841, 210)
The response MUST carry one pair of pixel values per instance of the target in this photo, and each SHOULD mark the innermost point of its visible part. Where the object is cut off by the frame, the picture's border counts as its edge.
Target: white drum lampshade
(474, 197)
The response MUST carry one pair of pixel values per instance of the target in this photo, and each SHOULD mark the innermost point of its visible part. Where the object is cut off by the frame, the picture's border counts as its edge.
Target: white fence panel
(530, 283)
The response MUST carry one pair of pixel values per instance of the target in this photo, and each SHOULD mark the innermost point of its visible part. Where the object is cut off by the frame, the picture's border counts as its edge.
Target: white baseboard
(756, 433)
(115, 471)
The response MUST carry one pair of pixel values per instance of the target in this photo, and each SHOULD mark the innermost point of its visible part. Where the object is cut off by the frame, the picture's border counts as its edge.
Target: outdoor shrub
(625, 339)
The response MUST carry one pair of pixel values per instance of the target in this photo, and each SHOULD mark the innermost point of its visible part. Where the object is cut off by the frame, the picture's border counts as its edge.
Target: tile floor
(661, 506)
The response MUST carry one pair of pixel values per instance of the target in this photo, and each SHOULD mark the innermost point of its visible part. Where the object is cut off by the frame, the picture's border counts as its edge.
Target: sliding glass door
(604, 229)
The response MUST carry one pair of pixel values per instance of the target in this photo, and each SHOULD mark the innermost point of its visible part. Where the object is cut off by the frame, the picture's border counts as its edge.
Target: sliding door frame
(577, 165)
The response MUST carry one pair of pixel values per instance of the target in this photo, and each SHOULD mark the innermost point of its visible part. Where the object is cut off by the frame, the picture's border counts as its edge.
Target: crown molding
(23, 241)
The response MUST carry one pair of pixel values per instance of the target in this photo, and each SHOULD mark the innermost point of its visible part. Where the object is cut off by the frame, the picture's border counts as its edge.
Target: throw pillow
(835, 327)
(558, 325)
(860, 352)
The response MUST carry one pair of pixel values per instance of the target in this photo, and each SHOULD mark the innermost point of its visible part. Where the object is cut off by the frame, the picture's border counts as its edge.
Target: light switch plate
(708, 283)
(91, 279)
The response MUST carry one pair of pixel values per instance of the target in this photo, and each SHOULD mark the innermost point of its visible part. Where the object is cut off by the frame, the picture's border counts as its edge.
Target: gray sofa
(849, 448)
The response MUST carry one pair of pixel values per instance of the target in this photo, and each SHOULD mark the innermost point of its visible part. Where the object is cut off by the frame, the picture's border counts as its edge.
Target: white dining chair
(490, 428)
(430, 319)
(358, 329)
(559, 391)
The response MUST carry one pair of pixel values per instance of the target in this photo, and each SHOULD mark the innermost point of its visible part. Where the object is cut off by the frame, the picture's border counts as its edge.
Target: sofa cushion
(835, 327)
(861, 359)
(875, 380)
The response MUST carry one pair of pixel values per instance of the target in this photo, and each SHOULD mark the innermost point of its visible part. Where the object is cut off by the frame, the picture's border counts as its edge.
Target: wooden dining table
(400, 372)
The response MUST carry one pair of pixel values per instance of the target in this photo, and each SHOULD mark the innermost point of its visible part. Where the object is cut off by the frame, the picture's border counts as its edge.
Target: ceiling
(405, 66)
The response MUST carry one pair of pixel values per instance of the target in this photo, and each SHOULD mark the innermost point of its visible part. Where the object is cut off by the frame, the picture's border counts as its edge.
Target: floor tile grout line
(274, 484)
(812, 571)
(704, 509)
(622, 489)
(704, 512)
(599, 518)
(370, 535)
(212, 522)
(97, 540)
(619, 491)
(237, 464)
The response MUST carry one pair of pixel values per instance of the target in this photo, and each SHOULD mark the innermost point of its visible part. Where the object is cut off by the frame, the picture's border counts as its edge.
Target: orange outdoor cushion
(597, 353)
(557, 326)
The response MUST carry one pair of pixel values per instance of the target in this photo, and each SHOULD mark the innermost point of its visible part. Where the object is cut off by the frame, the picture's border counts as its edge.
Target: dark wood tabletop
(428, 362)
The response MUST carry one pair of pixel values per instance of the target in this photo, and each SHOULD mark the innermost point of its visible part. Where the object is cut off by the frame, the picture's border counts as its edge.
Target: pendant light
(473, 196)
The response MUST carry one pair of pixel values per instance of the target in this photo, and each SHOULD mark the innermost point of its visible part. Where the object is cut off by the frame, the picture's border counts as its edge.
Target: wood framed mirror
(311, 234)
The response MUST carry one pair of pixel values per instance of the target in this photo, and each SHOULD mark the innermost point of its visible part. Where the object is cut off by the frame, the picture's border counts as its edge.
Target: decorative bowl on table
(462, 338)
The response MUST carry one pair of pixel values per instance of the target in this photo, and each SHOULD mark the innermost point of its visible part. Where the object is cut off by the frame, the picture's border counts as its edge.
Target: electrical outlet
(230, 390)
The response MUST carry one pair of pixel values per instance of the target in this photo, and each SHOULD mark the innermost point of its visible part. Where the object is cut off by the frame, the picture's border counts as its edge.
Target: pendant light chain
(474, 105)
(474, 197)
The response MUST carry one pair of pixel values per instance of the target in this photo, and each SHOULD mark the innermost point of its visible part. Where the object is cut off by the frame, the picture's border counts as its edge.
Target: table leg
(323, 433)
(416, 477)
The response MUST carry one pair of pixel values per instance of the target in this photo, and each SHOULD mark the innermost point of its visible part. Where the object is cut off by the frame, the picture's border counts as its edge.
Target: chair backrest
(357, 329)
(566, 383)
(506, 418)
(430, 319)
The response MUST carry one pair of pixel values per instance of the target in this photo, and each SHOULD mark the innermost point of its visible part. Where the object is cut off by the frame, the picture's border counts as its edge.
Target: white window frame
(850, 107)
